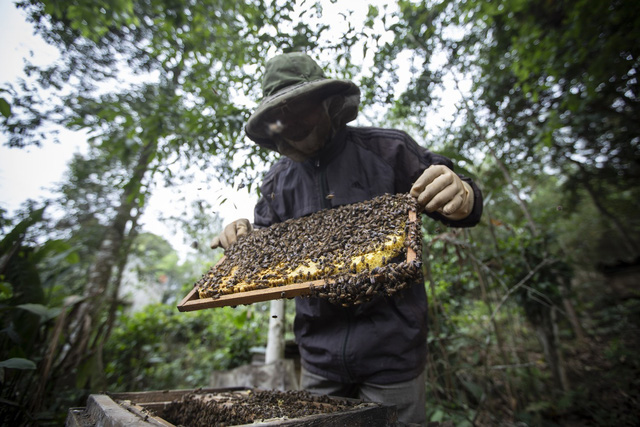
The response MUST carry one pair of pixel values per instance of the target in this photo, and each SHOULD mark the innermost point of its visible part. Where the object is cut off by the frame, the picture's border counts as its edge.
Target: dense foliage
(547, 85)
(534, 312)
(161, 348)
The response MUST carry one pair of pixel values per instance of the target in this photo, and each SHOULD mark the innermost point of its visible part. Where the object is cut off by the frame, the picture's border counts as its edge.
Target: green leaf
(61, 249)
(538, 406)
(18, 363)
(18, 231)
(5, 107)
(239, 318)
(45, 313)
(474, 388)
(437, 416)
(6, 290)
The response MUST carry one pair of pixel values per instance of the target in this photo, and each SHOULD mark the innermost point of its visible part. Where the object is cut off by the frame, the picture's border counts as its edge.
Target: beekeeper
(377, 350)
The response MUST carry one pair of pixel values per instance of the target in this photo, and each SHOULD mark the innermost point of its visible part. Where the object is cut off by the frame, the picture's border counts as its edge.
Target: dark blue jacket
(382, 341)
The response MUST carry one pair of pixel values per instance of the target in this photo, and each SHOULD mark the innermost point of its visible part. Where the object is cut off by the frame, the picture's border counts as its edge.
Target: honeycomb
(358, 250)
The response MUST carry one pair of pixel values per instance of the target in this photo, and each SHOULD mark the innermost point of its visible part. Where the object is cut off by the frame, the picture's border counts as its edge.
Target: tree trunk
(624, 235)
(547, 332)
(104, 330)
(275, 341)
(572, 316)
(562, 372)
(84, 318)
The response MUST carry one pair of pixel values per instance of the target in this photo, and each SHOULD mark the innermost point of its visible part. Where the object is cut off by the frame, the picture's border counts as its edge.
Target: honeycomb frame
(347, 255)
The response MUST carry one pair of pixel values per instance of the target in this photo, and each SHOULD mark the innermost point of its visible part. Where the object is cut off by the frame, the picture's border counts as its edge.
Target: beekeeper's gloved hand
(440, 189)
(231, 233)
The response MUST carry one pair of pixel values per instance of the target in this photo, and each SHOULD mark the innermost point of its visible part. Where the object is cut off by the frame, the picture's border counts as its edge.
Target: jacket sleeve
(407, 171)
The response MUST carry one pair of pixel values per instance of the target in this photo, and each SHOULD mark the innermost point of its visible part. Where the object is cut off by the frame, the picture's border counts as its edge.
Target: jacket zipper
(326, 203)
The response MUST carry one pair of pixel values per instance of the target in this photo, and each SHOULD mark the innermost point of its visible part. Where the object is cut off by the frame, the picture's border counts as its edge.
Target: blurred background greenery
(534, 312)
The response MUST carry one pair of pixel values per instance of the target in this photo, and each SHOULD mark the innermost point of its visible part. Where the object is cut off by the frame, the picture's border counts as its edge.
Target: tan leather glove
(440, 189)
(231, 233)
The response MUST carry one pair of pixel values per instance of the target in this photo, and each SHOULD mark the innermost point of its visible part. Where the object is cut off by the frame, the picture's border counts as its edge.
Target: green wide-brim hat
(290, 79)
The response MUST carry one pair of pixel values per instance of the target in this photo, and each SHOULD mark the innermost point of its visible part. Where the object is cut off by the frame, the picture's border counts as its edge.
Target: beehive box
(228, 407)
(347, 255)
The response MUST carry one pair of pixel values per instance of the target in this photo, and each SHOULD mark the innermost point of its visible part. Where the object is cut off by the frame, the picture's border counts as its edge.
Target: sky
(27, 173)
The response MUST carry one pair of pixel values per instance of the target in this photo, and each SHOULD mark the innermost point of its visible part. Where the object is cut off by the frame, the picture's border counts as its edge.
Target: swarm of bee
(358, 250)
(241, 407)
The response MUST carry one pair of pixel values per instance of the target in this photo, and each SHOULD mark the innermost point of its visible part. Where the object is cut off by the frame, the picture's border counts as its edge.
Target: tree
(542, 85)
(554, 89)
(573, 92)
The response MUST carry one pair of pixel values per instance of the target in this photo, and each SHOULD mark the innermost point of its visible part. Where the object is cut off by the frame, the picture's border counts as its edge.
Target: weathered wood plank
(105, 412)
(144, 414)
(166, 395)
(193, 302)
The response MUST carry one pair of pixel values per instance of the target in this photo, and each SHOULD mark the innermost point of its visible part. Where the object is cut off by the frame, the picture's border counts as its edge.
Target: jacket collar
(331, 149)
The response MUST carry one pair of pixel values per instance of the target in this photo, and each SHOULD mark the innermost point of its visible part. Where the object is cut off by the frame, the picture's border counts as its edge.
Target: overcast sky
(27, 173)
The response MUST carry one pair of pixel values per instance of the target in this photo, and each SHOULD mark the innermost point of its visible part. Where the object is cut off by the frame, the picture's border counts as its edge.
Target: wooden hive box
(144, 409)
